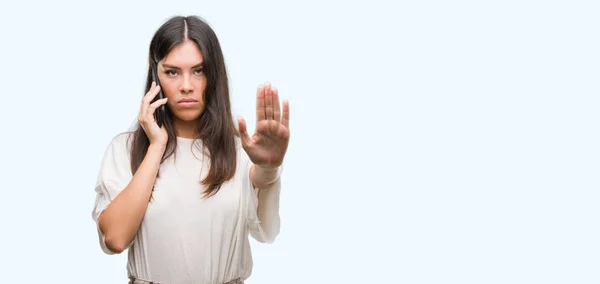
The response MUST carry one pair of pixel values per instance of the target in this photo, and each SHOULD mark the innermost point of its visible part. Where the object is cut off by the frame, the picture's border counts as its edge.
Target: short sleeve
(262, 205)
(113, 177)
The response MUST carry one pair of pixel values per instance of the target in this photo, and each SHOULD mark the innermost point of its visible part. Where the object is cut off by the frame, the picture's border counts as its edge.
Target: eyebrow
(175, 67)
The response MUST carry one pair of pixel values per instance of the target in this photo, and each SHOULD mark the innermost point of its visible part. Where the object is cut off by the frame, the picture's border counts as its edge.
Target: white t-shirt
(184, 238)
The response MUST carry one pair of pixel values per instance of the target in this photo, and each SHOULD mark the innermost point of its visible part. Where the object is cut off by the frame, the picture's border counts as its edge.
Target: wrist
(157, 148)
(263, 177)
(268, 168)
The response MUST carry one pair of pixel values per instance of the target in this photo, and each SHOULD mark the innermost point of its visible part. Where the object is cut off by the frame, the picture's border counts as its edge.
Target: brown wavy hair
(216, 126)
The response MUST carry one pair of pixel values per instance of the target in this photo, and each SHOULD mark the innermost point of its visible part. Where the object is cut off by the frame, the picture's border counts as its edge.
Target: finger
(285, 120)
(268, 102)
(148, 98)
(260, 104)
(243, 131)
(155, 105)
(151, 94)
(153, 87)
(144, 97)
(276, 109)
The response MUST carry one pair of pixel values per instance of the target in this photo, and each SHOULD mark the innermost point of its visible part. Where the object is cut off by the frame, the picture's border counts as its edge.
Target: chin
(188, 116)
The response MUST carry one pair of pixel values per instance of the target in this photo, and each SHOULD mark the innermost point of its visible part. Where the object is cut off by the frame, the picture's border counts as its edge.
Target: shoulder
(121, 142)
(241, 153)
(238, 143)
(123, 138)
(243, 160)
(118, 148)
(115, 166)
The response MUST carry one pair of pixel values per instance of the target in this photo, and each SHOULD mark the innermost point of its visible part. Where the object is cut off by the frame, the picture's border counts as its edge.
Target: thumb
(243, 131)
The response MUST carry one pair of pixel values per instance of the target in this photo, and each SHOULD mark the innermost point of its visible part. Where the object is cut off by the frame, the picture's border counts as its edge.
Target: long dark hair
(216, 127)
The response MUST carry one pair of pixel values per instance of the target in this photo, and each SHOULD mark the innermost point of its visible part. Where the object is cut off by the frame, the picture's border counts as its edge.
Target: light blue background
(432, 141)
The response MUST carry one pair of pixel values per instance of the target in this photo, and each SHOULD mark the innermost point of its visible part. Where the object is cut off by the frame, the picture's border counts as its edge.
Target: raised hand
(156, 135)
(268, 145)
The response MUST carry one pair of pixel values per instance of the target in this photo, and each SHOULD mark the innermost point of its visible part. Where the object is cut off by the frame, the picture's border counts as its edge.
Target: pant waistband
(133, 280)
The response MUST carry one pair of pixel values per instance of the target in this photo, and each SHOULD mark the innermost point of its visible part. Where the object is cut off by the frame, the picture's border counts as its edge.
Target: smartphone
(160, 112)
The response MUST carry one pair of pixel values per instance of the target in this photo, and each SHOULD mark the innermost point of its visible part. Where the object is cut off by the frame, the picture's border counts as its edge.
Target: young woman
(183, 197)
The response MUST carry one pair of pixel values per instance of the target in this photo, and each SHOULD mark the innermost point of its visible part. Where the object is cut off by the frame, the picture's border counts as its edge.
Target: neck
(186, 129)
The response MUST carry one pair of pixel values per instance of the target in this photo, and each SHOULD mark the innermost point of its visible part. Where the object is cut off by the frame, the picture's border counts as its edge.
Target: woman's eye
(199, 72)
(171, 73)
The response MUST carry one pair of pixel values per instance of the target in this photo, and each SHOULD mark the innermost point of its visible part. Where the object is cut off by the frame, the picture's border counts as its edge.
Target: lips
(187, 101)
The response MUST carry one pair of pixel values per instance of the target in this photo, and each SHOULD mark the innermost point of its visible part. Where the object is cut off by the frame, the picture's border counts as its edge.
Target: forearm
(269, 184)
(121, 219)
(263, 177)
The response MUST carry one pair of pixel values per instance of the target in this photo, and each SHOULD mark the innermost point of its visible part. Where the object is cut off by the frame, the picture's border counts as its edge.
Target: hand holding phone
(148, 116)
(160, 113)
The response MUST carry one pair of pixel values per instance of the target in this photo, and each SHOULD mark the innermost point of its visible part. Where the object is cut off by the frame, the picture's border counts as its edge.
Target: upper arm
(113, 177)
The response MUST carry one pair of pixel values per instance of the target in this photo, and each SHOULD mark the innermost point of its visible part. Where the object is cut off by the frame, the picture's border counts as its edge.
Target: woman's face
(183, 81)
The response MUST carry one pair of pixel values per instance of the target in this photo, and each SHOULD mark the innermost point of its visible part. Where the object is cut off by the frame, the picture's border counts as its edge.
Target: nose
(186, 85)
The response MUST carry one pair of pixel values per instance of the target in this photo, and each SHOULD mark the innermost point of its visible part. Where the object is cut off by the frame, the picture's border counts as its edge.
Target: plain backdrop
(432, 141)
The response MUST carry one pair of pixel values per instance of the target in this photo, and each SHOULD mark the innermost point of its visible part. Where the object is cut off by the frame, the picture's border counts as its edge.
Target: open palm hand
(268, 145)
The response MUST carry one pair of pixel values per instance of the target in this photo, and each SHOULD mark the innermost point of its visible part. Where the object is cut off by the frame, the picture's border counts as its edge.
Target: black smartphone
(160, 112)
